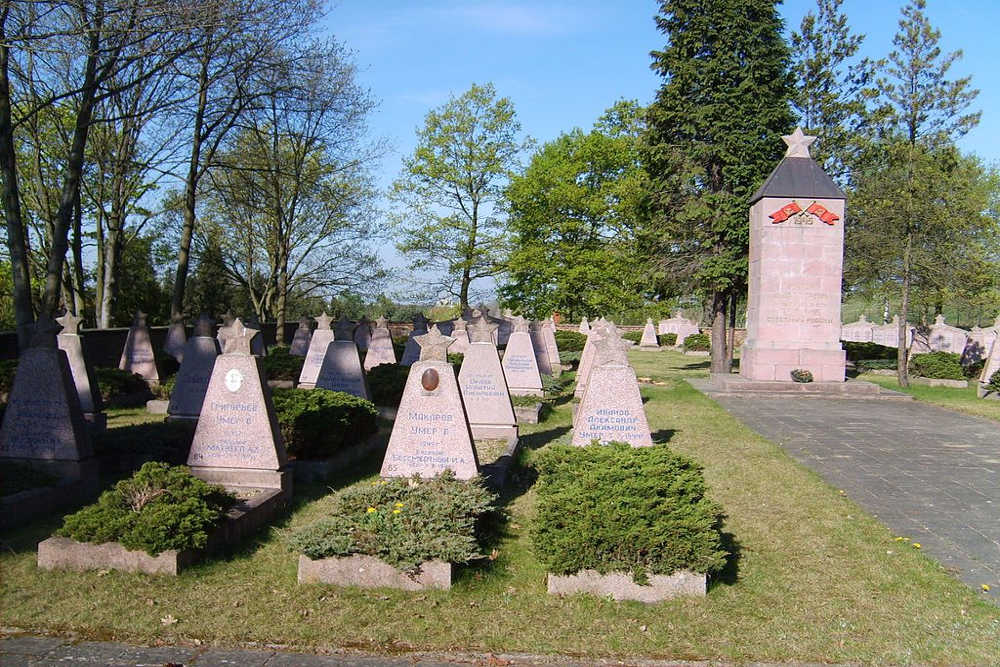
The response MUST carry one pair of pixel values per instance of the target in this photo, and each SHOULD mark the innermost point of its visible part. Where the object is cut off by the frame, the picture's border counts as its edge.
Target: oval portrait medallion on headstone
(429, 380)
(234, 380)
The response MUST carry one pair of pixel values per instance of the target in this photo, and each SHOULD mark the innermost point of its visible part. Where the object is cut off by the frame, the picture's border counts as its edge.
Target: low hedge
(634, 336)
(160, 507)
(937, 365)
(121, 389)
(569, 359)
(615, 508)
(856, 351)
(316, 423)
(386, 383)
(403, 521)
(667, 339)
(994, 383)
(280, 365)
(698, 342)
(865, 365)
(570, 341)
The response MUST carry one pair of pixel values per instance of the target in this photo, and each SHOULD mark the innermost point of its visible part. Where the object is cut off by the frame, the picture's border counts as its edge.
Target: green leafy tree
(714, 133)
(572, 221)
(448, 193)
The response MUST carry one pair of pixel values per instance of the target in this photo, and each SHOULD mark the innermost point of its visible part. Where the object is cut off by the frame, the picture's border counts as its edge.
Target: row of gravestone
(974, 345)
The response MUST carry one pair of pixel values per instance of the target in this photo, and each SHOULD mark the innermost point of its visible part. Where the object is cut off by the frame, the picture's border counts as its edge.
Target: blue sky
(563, 63)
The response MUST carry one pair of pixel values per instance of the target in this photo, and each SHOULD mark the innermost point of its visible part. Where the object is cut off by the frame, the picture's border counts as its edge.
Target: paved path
(929, 474)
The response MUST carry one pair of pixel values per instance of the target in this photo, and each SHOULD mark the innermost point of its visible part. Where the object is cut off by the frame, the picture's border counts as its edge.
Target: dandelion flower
(986, 587)
(916, 545)
(400, 505)
(371, 509)
(396, 511)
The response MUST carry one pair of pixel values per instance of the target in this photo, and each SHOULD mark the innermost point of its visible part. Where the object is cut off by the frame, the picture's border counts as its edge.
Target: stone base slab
(370, 572)
(321, 470)
(737, 384)
(939, 382)
(620, 586)
(508, 434)
(697, 353)
(20, 508)
(282, 384)
(243, 478)
(528, 414)
(157, 406)
(776, 364)
(649, 348)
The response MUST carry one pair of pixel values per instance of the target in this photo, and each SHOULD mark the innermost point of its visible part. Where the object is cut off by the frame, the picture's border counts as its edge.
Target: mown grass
(962, 400)
(812, 578)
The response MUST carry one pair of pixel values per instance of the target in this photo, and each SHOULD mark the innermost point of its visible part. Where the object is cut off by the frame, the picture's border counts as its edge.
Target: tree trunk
(112, 266)
(76, 245)
(719, 363)
(902, 351)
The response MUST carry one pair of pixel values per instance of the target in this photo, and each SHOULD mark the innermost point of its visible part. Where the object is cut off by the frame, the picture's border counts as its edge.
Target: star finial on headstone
(44, 332)
(205, 326)
(520, 325)
(70, 323)
(139, 320)
(480, 331)
(798, 143)
(433, 346)
(344, 329)
(460, 324)
(323, 321)
(239, 338)
(381, 322)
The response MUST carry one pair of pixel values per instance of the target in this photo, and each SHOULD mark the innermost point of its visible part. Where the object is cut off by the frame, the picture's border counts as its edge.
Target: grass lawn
(813, 578)
(962, 400)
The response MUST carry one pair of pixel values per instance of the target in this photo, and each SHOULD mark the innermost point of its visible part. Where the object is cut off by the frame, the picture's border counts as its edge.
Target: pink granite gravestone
(176, 337)
(341, 370)
(380, 350)
(861, 331)
(584, 327)
(300, 341)
(70, 342)
(224, 329)
(411, 353)
(237, 442)
(649, 340)
(796, 264)
(980, 342)
(611, 408)
(318, 343)
(137, 356)
(431, 432)
(519, 364)
(460, 333)
(992, 364)
(195, 372)
(538, 345)
(680, 325)
(599, 330)
(887, 335)
(43, 422)
(946, 338)
(551, 348)
(363, 333)
(484, 388)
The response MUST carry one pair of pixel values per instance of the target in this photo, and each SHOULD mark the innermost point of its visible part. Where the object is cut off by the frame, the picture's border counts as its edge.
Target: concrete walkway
(929, 474)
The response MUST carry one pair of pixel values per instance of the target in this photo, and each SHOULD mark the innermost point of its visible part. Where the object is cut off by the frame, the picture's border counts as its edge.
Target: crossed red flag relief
(788, 210)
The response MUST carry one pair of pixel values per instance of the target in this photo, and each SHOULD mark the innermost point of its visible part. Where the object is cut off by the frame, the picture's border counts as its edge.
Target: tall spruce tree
(714, 133)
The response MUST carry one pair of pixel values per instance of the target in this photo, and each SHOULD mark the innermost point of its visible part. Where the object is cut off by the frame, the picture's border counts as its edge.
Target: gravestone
(176, 337)
(861, 331)
(87, 390)
(503, 327)
(224, 327)
(43, 425)
(611, 408)
(649, 340)
(887, 335)
(980, 343)
(200, 352)
(300, 341)
(321, 338)
(411, 353)
(431, 432)
(519, 365)
(341, 369)
(679, 325)
(538, 345)
(380, 350)
(460, 333)
(597, 332)
(584, 327)
(992, 366)
(237, 442)
(257, 347)
(484, 388)
(946, 338)
(551, 348)
(362, 333)
(137, 355)
(796, 265)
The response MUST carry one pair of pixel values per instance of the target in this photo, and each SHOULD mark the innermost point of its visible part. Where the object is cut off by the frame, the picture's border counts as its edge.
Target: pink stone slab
(611, 409)
(649, 340)
(371, 572)
(551, 348)
(583, 368)
(431, 431)
(83, 374)
(321, 338)
(137, 355)
(193, 377)
(300, 342)
(341, 370)
(484, 389)
(620, 585)
(541, 354)
(380, 350)
(520, 366)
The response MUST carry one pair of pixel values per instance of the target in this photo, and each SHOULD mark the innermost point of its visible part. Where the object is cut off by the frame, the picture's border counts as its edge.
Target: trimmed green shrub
(386, 383)
(856, 351)
(865, 365)
(698, 342)
(994, 383)
(403, 521)
(801, 375)
(554, 386)
(165, 388)
(973, 370)
(634, 336)
(280, 365)
(316, 423)
(570, 341)
(937, 365)
(160, 507)
(615, 508)
(667, 339)
(524, 400)
(120, 388)
(569, 359)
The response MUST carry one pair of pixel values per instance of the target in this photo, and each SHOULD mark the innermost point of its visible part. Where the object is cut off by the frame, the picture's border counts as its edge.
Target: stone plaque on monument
(300, 341)
(43, 421)
(519, 364)
(70, 342)
(363, 333)
(649, 340)
(611, 409)
(796, 265)
(484, 388)
(176, 337)
(237, 441)
(137, 355)
(318, 343)
(200, 352)
(380, 350)
(411, 353)
(538, 345)
(431, 432)
(341, 370)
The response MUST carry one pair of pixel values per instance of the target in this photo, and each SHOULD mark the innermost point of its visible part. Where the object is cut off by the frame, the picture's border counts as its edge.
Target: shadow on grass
(663, 435)
(539, 439)
(729, 575)
(696, 366)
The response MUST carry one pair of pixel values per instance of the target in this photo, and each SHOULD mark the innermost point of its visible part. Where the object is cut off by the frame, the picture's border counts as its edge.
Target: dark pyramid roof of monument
(798, 177)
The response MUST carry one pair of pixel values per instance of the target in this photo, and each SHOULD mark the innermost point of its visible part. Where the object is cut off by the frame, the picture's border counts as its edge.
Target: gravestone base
(284, 384)
(620, 586)
(85, 469)
(939, 382)
(522, 391)
(649, 348)
(777, 364)
(183, 419)
(305, 385)
(246, 478)
(157, 406)
(495, 432)
(736, 384)
(371, 572)
(528, 414)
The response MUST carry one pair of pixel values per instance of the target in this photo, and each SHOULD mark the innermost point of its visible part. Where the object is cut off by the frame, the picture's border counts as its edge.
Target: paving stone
(156, 655)
(104, 653)
(221, 657)
(27, 645)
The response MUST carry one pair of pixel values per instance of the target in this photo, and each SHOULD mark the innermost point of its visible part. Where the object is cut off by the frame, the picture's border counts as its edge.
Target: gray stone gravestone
(176, 337)
(484, 388)
(70, 342)
(431, 432)
(341, 369)
(649, 340)
(519, 364)
(380, 350)
(195, 372)
(363, 333)
(257, 347)
(300, 341)
(237, 442)
(411, 353)
(43, 424)
(946, 338)
(611, 408)
(321, 338)
(137, 355)
(538, 345)
(551, 348)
